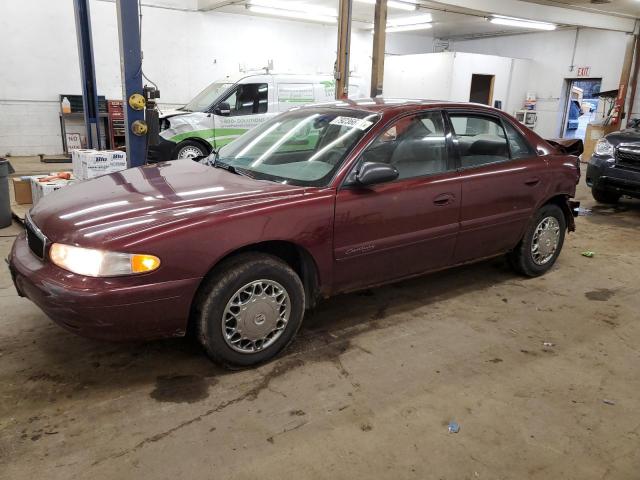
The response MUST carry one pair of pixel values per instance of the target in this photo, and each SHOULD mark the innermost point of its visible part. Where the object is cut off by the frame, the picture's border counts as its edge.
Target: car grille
(628, 156)
(35, 238)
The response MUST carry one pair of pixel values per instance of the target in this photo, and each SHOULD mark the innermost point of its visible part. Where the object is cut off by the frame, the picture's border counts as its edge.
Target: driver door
(407, 226)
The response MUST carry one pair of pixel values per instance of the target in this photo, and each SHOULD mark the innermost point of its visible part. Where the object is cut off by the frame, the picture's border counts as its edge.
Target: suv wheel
(603, 196)
(249, 310)
(539, 248)
(189, 149)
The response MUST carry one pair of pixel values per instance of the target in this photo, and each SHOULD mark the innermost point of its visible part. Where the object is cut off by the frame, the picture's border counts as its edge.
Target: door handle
(444, 199)
(532, 182)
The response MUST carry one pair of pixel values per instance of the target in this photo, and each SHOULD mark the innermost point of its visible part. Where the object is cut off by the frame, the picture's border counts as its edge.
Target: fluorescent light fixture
(522, 23)
(276, 12)
(410, 20)
(297, 10)
(409, 28)
(408, 6)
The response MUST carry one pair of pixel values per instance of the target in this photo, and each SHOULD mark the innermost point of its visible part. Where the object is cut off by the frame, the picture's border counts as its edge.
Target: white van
(229, 107)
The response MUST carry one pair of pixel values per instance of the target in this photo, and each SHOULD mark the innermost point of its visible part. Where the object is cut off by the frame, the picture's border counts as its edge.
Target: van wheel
(603, 196)
(188, 149)
(250, 310)
(539, 248)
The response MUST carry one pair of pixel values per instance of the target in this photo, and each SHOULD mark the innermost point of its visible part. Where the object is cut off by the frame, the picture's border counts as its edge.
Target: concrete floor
(366, 391)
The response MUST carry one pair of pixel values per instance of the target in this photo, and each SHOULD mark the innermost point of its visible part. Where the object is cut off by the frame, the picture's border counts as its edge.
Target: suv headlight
(99, 263)
(604, 148)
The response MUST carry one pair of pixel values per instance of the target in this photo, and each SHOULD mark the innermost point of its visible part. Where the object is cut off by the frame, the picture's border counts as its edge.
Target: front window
(248, 99)
(207, 97)
(302, 147)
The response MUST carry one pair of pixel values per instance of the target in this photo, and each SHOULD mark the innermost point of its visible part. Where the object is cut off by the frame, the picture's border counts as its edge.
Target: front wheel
(189, 149)
(249, 310)
(603, 196)
(539, 248)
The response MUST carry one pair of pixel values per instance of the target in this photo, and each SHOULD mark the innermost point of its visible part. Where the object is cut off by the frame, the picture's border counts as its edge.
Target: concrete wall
(550, 54)
(184, 52)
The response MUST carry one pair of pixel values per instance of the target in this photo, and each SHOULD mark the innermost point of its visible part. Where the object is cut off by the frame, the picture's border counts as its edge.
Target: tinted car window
(519, 146)
(415, 145)
(249, 99)
(480, 140)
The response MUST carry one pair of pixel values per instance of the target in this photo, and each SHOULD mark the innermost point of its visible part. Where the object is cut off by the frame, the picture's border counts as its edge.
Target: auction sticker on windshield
(353, 122)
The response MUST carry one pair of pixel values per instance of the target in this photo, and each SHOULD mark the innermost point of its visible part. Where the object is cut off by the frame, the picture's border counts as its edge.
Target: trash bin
(5, 204)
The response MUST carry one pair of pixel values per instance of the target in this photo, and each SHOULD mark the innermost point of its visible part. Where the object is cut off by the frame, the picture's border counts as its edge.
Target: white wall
(184, 52)
(550, 53)
(447, 76)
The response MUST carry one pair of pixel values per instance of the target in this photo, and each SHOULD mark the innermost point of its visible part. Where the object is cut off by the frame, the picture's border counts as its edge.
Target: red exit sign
(584, 71)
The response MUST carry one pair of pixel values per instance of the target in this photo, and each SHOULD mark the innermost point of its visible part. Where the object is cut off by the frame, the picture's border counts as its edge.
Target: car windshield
(302, 147)
(207, 97)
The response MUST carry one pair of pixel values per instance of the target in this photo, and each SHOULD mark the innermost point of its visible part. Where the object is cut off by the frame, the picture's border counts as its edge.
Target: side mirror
(223, 109)
(372, 173)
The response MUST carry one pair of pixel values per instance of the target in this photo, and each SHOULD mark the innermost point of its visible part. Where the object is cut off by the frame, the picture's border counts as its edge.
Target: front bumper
(118, 308)
(607, 176)
(162, 152)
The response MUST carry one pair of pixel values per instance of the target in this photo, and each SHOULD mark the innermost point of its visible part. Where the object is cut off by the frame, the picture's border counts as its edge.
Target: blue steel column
(131, 68)
(87, 72)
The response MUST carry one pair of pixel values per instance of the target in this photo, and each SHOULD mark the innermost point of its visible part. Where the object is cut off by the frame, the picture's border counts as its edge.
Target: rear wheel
(188, 149)
(603, 196)
(249, 310)
(539, 248)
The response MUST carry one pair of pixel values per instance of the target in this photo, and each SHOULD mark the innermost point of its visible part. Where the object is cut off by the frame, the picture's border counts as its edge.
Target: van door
(248, 108)
(294, 94)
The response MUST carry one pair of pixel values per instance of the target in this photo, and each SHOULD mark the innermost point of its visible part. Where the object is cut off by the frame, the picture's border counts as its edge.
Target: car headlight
(604, 148)
(100, 263)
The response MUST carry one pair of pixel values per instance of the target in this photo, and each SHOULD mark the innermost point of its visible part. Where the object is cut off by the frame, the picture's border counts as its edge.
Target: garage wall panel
(551, 55)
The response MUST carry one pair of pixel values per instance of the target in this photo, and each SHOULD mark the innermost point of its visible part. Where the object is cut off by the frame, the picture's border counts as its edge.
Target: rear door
(407, 226)
(502, 180)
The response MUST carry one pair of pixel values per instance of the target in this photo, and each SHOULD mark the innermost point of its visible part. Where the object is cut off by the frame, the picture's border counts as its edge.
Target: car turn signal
(144, 263)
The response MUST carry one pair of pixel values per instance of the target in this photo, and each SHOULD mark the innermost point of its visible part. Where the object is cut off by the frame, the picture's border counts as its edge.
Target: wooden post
(341, 73)
(618, 109)
(377, 57)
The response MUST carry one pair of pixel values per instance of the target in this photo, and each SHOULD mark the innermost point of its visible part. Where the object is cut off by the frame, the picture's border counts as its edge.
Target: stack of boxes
(89, 164)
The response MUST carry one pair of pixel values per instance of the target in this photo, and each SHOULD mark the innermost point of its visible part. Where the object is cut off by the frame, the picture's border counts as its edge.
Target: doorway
(581, 106)
(481, 89)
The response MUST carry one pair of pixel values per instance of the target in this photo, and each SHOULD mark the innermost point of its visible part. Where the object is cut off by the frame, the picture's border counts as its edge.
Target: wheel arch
(294, 255)
(201, 141)
(562, 201)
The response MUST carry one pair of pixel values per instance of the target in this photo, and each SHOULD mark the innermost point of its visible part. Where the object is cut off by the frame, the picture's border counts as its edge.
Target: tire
(189, 149)
(219, 311)
(603, 196)
(523, 259)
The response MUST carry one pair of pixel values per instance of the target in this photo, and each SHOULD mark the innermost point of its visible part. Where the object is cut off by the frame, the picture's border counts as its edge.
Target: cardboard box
(89, 164)
(39, 190)
(22, 190)
(595, 131)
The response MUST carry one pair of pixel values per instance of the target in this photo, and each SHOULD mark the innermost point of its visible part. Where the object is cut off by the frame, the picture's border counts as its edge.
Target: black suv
(614, 168)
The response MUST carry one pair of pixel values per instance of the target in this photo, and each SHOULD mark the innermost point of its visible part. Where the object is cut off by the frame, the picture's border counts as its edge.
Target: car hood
(172, 113)
(169, 194)
(629, 135)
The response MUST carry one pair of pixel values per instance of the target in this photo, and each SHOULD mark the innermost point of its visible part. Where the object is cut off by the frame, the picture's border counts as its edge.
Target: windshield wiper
(217, 163)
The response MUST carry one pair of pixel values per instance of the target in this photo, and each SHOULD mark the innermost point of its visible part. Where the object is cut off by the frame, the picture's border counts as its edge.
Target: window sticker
(352, 122)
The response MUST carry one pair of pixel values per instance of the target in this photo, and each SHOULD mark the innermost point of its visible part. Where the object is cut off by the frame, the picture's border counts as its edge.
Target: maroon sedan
(317, 201)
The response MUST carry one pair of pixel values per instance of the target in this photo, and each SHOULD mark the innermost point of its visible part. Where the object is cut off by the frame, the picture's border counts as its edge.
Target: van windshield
(207, 97)
(302, 147)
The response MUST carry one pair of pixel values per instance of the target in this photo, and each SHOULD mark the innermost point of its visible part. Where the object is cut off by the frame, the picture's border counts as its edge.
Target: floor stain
(600, 295)
(181, 388)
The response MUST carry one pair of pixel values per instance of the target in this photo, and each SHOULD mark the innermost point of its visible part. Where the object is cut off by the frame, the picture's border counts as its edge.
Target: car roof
(396, 105)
